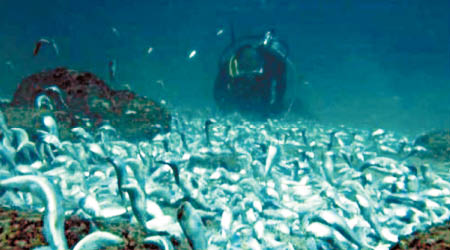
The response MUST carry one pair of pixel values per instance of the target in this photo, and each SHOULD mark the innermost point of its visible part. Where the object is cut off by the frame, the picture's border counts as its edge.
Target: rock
(82, 99)
(434, 238)
(437, 143)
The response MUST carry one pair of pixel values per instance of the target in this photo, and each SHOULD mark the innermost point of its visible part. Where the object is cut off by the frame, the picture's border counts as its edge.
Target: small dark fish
(38, 45)
(166, 144)
(305, 139)
(112, 66)
(332, 138)
(183, 140)
(295, 170)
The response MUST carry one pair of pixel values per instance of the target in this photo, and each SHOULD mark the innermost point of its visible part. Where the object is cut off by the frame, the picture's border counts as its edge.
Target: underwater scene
(238, 124)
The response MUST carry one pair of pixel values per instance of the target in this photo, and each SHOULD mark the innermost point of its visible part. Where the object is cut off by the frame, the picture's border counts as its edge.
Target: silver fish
(82, 135)
(336, 222)
(8, 154)
(55, 47)
(43, 101)
(59, 93)
(50, 124)
(160, 242)
(225, 222)
(322, 231)
(20, 137)
(272, 156)
(192, 226)
(137, 198)
(54, 212)
(98, 240)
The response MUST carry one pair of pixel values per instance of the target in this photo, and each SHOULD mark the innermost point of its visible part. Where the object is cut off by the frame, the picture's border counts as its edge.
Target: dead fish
(8, 154)
(370, 216)
(325, 232)
(54, 212)
(377, 132)
(208, 123)
(304, 137)
(328, 167)
(336, 222)
(160, 242)
(192, 225)
(137, 198)
(27, 152)
(332, 138)
(121, 172)
(43, 101)
(258, 229)
(82, 135)
(61, 95)
(272, 155)
(50, 124)
(225, 222)
(98, 240)
(4, 127)
(175, 170)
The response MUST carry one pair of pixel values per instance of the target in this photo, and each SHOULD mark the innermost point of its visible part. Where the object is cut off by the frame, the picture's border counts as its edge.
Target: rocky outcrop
(437, 144)
(82, 99)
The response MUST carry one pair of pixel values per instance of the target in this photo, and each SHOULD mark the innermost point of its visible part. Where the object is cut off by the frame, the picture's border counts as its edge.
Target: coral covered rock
(435, 238)
(76, 97)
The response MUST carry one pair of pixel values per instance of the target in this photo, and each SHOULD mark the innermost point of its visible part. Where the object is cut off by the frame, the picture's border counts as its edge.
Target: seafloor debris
(23, 231)
(437, 144)
(436, 238)
(77, 99)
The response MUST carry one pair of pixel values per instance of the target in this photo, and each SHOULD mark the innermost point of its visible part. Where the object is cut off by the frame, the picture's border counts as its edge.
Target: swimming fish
(55, 47)
(10, 65)
(112, 66)
(192, 54)
(115, 31)
(39, 44)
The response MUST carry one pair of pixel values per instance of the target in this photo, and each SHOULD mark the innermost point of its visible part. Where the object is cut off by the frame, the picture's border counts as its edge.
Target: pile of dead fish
(259, 184)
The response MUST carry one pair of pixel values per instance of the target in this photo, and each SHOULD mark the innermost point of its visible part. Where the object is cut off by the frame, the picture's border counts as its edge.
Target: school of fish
(258, 184)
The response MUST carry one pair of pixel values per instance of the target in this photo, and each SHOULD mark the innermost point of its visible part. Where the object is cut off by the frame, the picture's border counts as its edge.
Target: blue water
(359, 63)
